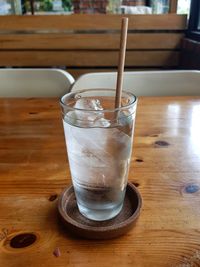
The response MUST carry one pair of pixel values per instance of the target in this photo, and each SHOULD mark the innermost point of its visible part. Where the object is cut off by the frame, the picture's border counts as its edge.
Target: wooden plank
(92, 22)
(87, 58)
(90, 41)
(173, 6)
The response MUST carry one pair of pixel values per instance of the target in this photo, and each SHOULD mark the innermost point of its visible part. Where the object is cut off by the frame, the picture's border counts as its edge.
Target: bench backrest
(83, 43)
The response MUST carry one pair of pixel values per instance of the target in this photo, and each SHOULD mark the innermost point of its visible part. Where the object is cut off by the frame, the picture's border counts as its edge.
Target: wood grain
(97, 41)
(92, 22)
(165, 166)
(85, 40)
(88, 58)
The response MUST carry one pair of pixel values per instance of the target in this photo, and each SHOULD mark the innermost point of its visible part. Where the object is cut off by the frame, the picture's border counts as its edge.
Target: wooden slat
(90, 41)
(95, 22)
(87, 58)
(173, 6)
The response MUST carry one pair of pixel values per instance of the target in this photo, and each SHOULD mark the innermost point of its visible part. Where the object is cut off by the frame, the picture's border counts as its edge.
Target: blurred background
(18, 7)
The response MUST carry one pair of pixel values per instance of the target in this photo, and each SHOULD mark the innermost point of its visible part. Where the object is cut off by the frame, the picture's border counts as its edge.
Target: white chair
(34, 82)
(145, 83)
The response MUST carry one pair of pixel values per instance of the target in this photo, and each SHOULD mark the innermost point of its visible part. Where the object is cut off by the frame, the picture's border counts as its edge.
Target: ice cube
(101, 122)
(88, 104)
(83, 117)
(109, 143)
(96, 153)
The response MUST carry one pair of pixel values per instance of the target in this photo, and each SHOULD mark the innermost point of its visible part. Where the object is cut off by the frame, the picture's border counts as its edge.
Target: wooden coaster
(79, 225)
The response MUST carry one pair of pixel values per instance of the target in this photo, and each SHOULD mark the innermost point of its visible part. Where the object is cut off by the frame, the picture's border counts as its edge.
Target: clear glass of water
(99, 144)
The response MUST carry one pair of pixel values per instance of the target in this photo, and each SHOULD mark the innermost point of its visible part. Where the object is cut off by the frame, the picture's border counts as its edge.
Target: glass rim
(132, 103)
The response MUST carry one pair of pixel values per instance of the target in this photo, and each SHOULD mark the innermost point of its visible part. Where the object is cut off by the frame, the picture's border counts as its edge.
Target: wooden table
(34, 170)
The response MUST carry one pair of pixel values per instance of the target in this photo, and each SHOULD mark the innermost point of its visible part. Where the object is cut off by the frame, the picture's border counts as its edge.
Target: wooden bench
(84, 43)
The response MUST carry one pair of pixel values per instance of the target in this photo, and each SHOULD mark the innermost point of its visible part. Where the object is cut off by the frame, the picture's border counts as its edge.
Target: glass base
(100, 214)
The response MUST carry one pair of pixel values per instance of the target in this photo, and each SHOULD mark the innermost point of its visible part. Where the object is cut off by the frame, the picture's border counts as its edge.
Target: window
(183, 7)
(199, 21)
(194, 21)
(8, 7)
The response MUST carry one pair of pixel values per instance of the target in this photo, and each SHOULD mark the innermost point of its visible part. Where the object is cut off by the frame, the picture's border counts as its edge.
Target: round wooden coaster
(78, 224)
